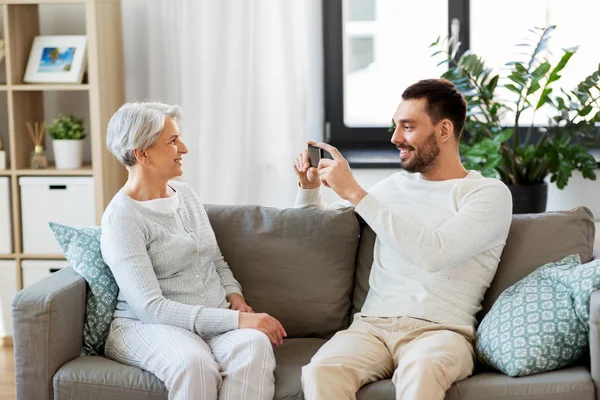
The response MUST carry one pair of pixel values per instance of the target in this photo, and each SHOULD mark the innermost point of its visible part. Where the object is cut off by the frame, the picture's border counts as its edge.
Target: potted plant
(523, 157)
(67, 134)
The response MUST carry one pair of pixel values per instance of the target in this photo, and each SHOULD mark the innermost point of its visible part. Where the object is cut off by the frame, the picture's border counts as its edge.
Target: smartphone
(314, 155)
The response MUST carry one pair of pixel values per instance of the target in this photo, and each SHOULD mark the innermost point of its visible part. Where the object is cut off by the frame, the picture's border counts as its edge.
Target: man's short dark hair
(443, 101)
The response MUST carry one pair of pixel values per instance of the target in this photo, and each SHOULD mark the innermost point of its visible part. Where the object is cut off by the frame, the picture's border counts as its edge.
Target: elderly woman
(180, 312)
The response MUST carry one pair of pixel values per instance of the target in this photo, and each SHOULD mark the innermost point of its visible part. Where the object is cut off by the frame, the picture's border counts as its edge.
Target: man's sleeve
(481, 223)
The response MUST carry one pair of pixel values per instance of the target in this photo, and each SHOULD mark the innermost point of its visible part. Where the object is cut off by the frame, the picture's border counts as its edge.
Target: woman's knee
(261, 346)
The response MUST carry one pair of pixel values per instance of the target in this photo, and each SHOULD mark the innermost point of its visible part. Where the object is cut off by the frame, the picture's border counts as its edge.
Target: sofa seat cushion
(97, 378)
(290, 358)
(566, 384)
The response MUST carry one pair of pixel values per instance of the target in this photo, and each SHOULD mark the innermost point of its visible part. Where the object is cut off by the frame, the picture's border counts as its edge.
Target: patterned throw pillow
(541, 322)
(81, 247)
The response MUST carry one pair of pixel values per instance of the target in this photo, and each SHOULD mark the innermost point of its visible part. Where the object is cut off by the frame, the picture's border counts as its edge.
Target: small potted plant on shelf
(67, 132)
(525, 157)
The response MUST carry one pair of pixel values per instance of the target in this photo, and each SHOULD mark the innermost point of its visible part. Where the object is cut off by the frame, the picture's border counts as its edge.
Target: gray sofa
(310, 270)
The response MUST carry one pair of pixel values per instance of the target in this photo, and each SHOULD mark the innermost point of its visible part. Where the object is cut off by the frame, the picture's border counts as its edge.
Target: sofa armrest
(48, 331)
(596, 254)
(595, 340)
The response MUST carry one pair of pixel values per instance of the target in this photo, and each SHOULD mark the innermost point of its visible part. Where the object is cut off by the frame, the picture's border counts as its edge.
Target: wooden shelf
(50, 87)
(86, 170)
(41, 256)
(55, 1)
(25, 102)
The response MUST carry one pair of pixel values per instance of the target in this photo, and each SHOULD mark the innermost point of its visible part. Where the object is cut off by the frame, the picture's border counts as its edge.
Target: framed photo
(56, 59)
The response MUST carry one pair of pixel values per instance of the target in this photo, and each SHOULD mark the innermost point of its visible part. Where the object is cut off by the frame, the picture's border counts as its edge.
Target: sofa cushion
(541, 322)
(566, 384)
(364, 262)
(98, 378)
(81, 247)
(290, 358)
(297, 265)
(537, 239)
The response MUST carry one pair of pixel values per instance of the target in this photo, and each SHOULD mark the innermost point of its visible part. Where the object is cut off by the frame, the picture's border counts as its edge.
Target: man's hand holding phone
(308, 176)
(334, 172)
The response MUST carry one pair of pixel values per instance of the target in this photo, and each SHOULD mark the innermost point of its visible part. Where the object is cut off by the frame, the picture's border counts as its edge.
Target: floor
(7, 374)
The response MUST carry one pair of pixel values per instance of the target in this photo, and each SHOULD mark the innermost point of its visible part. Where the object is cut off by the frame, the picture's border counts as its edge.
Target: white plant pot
(68, 154)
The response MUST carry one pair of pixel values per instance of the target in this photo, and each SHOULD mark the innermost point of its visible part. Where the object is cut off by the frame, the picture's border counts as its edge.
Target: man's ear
(446, 130)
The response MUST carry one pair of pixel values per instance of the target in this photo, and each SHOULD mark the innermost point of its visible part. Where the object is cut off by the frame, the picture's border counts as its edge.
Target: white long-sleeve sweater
(438, 244)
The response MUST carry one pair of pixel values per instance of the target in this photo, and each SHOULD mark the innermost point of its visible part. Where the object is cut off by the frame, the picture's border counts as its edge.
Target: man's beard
(424, 157)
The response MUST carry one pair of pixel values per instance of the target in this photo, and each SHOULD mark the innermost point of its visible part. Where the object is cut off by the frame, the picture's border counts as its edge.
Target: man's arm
(481, 223)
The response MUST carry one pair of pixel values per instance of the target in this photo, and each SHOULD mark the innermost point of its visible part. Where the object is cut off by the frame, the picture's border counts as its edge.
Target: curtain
(248, 75)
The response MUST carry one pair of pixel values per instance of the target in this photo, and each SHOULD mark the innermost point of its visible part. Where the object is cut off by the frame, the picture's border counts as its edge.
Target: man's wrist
(356, 196)
(308, 186)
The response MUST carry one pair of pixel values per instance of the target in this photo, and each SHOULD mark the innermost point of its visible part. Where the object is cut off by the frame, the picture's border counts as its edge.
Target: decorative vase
(529, 199)
(38, 158)
(68, 154)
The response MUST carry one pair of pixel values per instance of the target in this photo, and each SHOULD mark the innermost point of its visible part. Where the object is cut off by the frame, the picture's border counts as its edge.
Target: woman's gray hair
(137, 126)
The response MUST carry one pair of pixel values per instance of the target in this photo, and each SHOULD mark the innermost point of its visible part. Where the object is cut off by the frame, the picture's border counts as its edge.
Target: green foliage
(508, 152)
(67, 127)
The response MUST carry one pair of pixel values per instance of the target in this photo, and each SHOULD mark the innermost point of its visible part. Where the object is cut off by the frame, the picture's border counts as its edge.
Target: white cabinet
(36, 270)
(8, 289)
(65, 200)
(6, 246)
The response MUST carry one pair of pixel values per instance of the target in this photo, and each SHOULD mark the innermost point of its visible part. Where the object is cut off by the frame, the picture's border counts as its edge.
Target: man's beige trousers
(423, 359)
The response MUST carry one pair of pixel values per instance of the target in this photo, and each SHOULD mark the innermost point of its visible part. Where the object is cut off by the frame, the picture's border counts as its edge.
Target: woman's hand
(238, 303)
(264, 323)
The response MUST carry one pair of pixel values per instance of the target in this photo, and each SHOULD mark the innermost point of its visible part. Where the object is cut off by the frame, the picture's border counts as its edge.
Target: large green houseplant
(523, 157)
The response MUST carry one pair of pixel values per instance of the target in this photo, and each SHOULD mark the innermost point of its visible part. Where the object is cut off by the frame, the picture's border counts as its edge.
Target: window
(496, 44)
(369, 62)
(374, 49)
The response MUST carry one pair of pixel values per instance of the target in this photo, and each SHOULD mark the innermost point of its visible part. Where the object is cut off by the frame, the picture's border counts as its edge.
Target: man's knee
(320, 370)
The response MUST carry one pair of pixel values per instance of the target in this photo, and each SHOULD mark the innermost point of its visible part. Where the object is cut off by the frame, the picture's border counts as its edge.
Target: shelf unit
(104, 88)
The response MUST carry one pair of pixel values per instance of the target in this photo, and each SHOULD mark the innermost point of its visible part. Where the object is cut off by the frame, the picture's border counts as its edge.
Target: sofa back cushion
(296, 265)
(364, 262)
(533, 240)
(537, 239)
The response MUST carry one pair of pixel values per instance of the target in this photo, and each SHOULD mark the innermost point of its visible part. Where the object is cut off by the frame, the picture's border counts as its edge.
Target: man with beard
(440, 232)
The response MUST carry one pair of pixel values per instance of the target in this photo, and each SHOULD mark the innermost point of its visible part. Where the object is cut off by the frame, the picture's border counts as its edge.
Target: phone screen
(314, 155)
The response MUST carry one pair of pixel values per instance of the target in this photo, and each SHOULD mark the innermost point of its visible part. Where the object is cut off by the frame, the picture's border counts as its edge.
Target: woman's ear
(141, 157)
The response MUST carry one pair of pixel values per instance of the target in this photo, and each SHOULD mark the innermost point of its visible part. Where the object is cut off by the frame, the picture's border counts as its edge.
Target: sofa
(310, 270)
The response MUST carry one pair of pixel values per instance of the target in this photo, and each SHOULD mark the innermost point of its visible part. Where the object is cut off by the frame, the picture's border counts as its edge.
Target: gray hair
(137, 126)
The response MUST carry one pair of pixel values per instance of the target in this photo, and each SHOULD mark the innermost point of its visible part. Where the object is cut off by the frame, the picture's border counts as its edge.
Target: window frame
(336, 132)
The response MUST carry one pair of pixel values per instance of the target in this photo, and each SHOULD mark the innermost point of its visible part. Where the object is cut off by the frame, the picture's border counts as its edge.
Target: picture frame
(57, 59)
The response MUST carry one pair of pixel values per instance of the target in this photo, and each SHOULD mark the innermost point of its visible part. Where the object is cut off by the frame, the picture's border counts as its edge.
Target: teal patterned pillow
(541, 322)
(81, 247)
